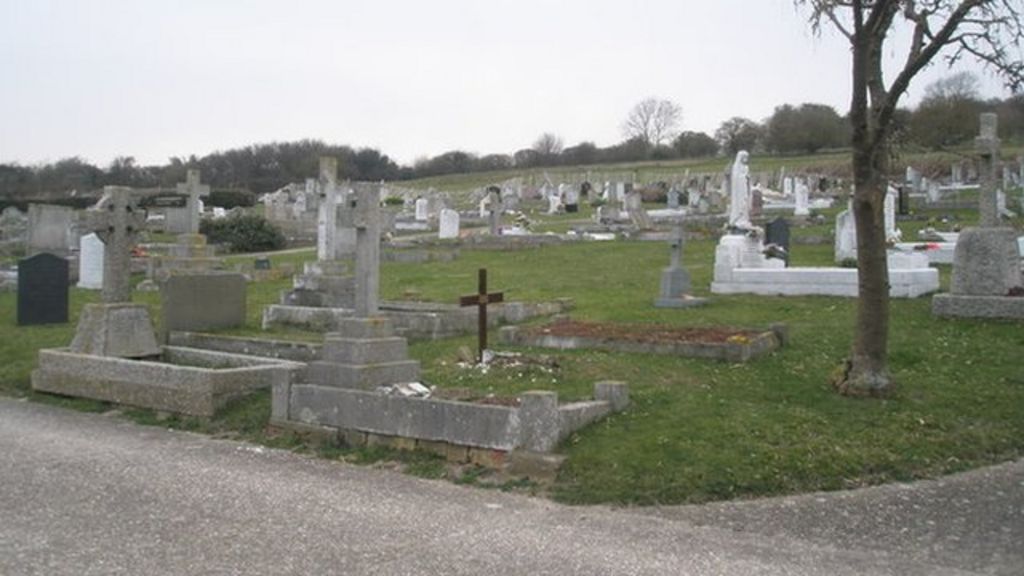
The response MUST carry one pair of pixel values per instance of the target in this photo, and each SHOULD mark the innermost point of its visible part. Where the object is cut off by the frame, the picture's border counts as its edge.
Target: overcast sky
(160, 78)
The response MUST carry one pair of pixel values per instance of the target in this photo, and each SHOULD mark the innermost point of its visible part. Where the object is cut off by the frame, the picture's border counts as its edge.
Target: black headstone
(777, 232)
(904, 203)
(42, 290)
(261, 264)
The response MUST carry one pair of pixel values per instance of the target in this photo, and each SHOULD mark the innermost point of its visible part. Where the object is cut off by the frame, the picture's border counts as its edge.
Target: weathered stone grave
(675, 280)
(42, 290)
(208, 301)
(986, 279)
(114, 355)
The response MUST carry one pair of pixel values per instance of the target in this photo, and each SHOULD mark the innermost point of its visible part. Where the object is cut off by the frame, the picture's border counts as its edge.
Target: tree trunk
(866, 372)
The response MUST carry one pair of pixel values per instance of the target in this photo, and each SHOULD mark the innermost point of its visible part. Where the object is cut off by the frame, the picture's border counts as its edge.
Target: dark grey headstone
(904, 201)
(42, 290)
(777, 232)
(261, 264)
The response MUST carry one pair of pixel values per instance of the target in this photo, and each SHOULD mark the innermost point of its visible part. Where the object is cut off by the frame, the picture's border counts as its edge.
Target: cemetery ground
(696, 430)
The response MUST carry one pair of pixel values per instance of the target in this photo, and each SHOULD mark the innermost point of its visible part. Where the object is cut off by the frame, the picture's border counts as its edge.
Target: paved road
(90, 494)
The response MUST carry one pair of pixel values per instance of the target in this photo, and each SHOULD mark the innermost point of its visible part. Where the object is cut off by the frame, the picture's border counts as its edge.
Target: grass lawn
(697, 430)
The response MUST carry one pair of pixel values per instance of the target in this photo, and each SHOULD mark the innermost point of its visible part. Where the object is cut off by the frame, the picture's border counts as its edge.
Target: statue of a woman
(739, 193)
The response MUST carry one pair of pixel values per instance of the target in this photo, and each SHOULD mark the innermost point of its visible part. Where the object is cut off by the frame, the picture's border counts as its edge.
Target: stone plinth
(986, 262)
(909, 277)
(121, 330)
(363, 354)
(986, 266)
(323, 284)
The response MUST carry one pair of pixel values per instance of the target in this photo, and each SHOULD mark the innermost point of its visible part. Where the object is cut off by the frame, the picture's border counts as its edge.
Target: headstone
(913, 179)
(846, 235)
(904, 201)
(449, 224)
(422, 206)
(673, 198)
(208, 301)
(802, 197)
(572, 200)
(194, 190)
(675, 280)
(777, 233)
(495, 209)
(987, 146)
(554, 203)
(739, 192)
(327, 217)
(934, 192)
(957, 176)
(90, 262)
(366, 217)
(117, 327)
(118, 221)
(787, 186)
(261, 264)
(892, 233)
(42, 290)
(50, 229)
(756, 203)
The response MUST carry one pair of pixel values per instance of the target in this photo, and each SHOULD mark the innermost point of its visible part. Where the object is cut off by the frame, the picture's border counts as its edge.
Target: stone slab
(906, 283)
(962, 306)
(759, 345)
(363, 376)
(203, 301)
(363, 351)
(265, 348)
(495, 427)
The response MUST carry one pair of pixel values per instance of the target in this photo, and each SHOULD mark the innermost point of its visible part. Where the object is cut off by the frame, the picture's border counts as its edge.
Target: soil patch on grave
(647, 333)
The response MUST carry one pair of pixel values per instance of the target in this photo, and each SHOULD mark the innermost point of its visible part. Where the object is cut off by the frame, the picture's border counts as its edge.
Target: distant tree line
(947, 117)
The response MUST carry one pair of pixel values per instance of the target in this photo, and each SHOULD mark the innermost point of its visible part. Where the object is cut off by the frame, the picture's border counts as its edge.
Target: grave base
(121, 330)
(681, 302)
(957, 306)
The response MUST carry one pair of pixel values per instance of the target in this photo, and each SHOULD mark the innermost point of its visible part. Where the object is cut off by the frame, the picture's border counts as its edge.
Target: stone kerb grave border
(461, 431)
(738, 350)
(182, 380)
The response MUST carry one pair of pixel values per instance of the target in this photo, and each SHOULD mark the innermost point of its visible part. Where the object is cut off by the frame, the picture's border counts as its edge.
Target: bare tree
(547, 144)
(989, 31)
(654, 121)
(959, 86)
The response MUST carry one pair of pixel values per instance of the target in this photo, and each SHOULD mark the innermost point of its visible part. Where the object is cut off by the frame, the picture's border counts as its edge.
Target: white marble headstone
(449, 224)
(892, 233)
(422, 209)
(846, 235)
(802, 197)
(90, 262)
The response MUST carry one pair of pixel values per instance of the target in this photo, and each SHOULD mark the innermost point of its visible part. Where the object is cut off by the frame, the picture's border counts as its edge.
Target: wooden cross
(482, 299)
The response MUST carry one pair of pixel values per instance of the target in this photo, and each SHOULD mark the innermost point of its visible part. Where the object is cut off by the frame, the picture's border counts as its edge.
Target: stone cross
(987, 146)
(193, 189)
(677, 247)
(117, 221)
(365, 208)
(495, 208)
(481, 299)
(327, 222)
